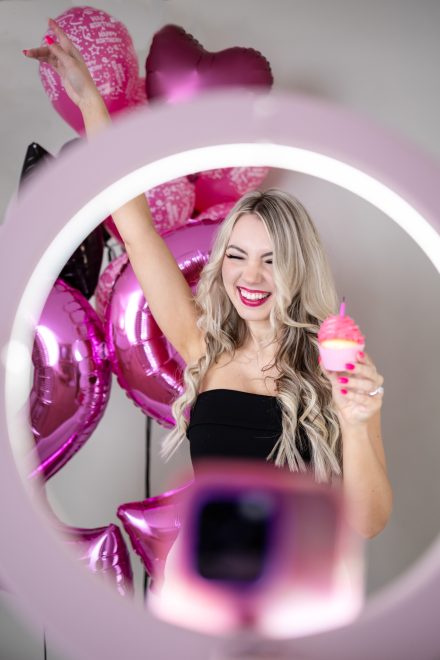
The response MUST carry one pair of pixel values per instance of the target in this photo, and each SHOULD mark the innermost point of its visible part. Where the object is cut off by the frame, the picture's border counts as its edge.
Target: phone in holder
(263, 549)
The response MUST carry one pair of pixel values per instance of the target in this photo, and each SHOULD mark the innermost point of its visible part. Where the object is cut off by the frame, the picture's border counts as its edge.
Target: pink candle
(342, 307)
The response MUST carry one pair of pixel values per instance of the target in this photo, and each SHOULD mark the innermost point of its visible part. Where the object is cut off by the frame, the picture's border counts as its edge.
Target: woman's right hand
(68, 62)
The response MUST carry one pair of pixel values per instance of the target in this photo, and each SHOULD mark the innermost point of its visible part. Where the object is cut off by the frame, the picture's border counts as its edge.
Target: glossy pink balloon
(171, 204)
(152, 526)
(108, 51)
(106, 283)
(104, 552)
(177, 67)
(226, 185)
(146, 365)
(72, 378)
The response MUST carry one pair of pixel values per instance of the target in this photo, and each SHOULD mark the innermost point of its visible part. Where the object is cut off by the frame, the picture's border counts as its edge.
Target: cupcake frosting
(340, 327)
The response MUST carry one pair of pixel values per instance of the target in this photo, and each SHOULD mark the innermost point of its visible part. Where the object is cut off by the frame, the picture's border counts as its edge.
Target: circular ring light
(70, 198)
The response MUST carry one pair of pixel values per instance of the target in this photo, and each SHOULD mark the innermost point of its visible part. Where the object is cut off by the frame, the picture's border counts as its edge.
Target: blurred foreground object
(261, 549)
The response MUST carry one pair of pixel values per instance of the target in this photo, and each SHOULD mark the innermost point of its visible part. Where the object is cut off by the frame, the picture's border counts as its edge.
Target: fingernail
(349, 366)
(24, 52)
(342, 379)
(49, 40)
(343, 391)
(361, 354)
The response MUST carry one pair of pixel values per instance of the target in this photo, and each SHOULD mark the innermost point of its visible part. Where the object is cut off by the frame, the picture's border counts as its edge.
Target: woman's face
(247, 269)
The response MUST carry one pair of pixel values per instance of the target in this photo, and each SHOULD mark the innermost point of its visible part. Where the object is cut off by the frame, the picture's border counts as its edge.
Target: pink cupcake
(340, 340)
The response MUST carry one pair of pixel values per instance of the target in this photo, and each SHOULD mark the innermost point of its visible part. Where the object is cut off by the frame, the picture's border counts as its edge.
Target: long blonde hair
(304, 295)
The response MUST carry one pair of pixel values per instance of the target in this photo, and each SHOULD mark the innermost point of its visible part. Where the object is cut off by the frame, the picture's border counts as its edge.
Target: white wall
(377, 58)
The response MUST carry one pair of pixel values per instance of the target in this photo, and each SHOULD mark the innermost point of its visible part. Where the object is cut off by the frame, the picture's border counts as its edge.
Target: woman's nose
(252, 272)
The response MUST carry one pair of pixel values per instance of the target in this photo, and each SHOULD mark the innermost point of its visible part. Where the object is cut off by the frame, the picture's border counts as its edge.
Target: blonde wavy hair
(304, 295)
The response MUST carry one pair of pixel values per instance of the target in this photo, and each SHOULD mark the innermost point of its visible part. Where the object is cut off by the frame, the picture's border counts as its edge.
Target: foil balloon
(83, 267)
(104, 552)
(213, 187)
(171, 204)
(106, 283)
(152, 526)
(177, 67)
(36, 155)
(147, 366)
(72, 379)
(107, 48)
(216, 213)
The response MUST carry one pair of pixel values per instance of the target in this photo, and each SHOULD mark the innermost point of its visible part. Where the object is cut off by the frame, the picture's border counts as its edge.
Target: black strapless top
(235, 424)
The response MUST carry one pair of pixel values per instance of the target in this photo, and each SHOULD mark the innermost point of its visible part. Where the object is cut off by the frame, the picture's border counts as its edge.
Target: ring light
(140, 151)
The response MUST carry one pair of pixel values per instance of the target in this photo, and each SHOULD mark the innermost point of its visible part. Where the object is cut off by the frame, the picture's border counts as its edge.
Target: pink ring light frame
(399, 622)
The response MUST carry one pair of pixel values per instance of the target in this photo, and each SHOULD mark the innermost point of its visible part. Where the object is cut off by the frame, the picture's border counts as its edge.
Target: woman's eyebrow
(266, 254)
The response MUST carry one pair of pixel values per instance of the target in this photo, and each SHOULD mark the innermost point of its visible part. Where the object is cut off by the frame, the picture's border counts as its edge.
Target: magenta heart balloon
(72, 378)
(177, 67)
(104, 552)
(152, 526)
(171, 204)
(146, 365)
(107, 48)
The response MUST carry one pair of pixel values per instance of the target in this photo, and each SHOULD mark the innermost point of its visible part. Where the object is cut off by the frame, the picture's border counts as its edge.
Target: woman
(249, 337)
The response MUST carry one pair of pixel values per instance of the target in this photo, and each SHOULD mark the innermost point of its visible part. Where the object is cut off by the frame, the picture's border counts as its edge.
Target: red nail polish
(361, 354)
(24, 52)
(343, 391)
(342, 379)
(349, 366)
(49, 40)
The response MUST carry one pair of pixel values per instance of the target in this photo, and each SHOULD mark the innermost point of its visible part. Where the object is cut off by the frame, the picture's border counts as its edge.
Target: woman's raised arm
(165, 288)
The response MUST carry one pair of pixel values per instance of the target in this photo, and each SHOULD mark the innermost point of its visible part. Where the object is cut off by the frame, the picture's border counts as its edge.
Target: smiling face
(247, 269)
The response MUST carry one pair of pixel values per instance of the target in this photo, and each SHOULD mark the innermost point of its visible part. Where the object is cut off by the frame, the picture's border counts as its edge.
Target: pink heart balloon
(107, 48)
(178, 66)
(72, 378)
(171, 204)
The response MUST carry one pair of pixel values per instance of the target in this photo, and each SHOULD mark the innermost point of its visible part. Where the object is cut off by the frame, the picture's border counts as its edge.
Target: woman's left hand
(351, 391)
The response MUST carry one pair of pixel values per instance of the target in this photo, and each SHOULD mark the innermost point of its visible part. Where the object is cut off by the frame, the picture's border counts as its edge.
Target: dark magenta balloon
(147, 366)
(104, 552)
(177, 67)
(72, 378)
(152, 526)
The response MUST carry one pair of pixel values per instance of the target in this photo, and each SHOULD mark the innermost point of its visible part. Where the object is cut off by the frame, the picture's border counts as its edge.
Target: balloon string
(147, 483)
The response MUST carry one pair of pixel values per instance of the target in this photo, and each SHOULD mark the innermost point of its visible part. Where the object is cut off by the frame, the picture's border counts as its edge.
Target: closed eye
(234, 256)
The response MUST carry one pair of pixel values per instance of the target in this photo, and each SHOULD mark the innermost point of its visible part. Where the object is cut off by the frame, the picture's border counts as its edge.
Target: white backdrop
(376, 58)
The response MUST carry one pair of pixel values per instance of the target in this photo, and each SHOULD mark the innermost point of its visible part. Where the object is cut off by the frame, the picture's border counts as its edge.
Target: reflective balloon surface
(72, 378)
(178, 67)
(146, 365)
(153, 526)
(104, 552)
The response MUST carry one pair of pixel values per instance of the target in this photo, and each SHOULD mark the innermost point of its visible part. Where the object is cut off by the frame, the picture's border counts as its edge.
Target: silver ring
(378, 390)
